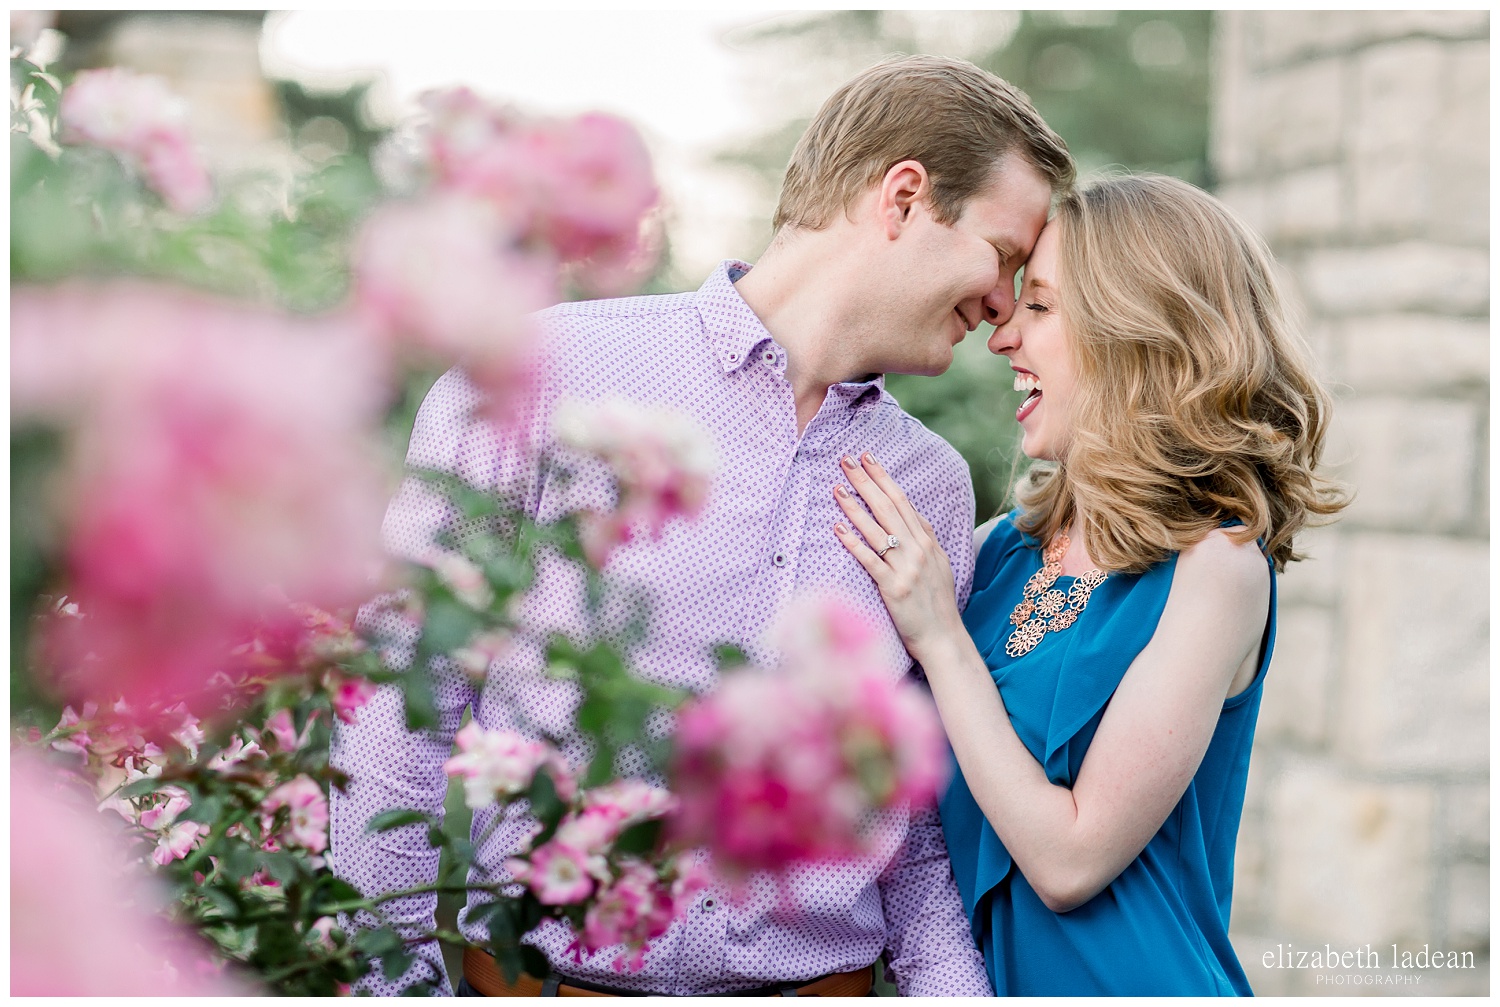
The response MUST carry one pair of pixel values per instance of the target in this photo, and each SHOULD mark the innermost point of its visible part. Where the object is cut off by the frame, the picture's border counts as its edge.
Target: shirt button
(734, 358)
(769, 356)
(709, 904)
(779, 559)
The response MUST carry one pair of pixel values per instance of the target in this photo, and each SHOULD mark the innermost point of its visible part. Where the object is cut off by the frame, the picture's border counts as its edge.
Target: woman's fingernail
(869, 457)
(848, 462)
(841, 528)
(839, 489)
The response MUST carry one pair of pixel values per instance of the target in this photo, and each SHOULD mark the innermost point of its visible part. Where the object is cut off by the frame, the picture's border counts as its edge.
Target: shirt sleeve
(388, 765)
(929, 946)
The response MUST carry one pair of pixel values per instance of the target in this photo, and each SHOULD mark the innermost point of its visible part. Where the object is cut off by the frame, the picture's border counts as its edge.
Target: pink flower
(188, 734)
(633, 911)
(350, 695)
(280, 727)
(236, 752)
(308, 824)
(664, 462)
(65, 856)
(494, 765)
(632, 800)
(177, 841)
(560, 875)
(463, 578)
(777, 768)
(442, 284)
(223, 459)
(483, 650)
(138, 117)
(77, 740)
(591, 831)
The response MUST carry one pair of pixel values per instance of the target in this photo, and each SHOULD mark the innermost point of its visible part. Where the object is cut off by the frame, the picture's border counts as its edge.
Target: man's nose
(1000, 302)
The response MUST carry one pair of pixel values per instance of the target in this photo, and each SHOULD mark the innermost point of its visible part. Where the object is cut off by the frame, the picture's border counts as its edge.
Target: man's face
(957, 276)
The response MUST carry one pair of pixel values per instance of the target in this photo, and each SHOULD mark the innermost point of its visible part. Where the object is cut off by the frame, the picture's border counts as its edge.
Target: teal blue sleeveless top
(1162, 927)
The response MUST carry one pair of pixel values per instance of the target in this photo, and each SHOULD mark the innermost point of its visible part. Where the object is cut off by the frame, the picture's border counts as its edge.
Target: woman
(1101, 689)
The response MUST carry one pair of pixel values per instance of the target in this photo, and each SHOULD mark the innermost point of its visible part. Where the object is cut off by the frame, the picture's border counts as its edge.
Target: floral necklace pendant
(1045, 609)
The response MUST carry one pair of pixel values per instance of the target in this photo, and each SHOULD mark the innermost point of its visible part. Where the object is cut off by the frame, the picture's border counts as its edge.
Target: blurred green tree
(1126, 89)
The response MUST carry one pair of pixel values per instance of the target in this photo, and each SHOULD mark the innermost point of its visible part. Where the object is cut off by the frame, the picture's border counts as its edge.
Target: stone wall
(1358, 142)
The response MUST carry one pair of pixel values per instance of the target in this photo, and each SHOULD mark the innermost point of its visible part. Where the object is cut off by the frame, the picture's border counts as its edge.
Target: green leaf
(284, 867)
(546, 806)
(338, 889)
(450, 625)
(421, 706)
(534, 962)
(225, 902)
(728, 656)
(640, 838)
(395, 819)
(510, 962)
(379, 942)
(395, 964)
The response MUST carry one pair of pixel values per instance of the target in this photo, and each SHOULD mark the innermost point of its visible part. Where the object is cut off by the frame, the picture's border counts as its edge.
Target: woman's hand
(900, 551)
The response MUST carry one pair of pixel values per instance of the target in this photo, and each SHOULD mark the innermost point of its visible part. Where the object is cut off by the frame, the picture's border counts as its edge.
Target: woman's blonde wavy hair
(1196, 403)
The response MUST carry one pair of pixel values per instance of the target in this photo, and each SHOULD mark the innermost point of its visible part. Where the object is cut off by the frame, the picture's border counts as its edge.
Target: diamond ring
(891, 542)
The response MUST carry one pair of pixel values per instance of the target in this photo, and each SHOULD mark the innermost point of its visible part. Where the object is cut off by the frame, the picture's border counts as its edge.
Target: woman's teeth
(1027, 382)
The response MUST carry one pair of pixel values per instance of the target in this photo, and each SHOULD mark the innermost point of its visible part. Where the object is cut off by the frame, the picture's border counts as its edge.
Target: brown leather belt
(484, 975)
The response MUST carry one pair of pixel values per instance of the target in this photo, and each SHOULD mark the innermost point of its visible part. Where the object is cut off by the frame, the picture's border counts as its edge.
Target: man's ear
(904, 186)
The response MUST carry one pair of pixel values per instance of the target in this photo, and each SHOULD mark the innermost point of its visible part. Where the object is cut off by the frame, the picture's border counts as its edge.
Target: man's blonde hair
(948, 114)
(1196, 402)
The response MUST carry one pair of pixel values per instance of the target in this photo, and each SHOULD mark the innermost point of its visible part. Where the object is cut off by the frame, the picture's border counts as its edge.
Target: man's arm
(389, 766)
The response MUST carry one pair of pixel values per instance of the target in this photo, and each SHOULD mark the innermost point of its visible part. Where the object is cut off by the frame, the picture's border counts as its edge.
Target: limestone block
(1295, 115)
(1277, 37)
(1318, 579)
(1466, 820)
(1295, 705)
(1414, 682)
(1249, 904)
(1397, 276)
(1251, 201)
(1468, 907)
(1229, 134)
(1460, 146)
(1350, 861)
(1306, 205)
(214, 63)
(1411, 461)
(1414, 354)
(1396, 99)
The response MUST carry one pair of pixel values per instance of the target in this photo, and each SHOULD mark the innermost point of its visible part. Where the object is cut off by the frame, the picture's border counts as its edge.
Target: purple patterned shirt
(765, 535)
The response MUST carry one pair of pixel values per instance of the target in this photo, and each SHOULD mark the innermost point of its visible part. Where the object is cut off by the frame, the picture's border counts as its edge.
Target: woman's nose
(1005, 338)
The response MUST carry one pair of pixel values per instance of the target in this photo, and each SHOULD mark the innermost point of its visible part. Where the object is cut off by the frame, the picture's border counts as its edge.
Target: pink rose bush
(783, 766)
(595, 860)
(221, 461)
(307, 818)
(580, 189)
(139, 118)
(85, 921)
(662, 460)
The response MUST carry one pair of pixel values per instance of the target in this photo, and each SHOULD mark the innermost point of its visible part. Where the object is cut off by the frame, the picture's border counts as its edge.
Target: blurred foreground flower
(221, 461)
(781, 766)
(581, 190)
(663, 460)
(139, 118)
(83, 922)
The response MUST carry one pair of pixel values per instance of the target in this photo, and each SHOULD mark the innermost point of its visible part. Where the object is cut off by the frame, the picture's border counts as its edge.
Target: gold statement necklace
(1045, 609)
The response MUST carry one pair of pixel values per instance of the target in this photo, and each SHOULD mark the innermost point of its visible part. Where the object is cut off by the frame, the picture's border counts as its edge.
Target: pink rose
(494, 765)
(307, 826)
(64, 856)
(191, 500)
(560, 875)
(350, 695)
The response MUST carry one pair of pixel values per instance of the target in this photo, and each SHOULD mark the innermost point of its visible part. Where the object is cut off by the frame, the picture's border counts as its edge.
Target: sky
(672, 73)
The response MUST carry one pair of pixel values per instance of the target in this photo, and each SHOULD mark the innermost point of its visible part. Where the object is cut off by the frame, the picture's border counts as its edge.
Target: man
(908, 206)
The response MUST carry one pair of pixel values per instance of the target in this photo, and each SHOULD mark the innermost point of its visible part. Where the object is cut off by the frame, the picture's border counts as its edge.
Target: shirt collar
(734, 330)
